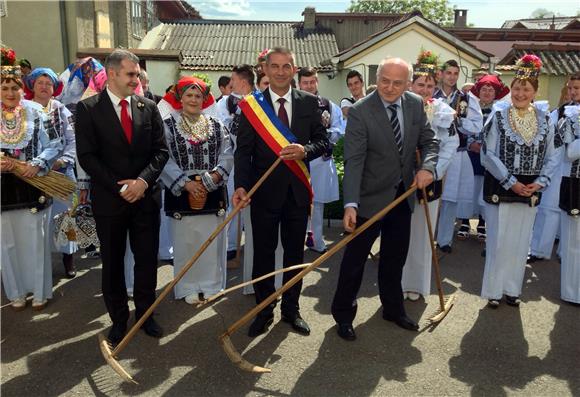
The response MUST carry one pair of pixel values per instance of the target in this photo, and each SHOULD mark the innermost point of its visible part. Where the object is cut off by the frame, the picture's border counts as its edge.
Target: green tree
(544, 13)
(438, 11)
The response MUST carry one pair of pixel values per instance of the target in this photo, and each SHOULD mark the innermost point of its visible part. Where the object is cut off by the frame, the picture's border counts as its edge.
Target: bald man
(383, 132)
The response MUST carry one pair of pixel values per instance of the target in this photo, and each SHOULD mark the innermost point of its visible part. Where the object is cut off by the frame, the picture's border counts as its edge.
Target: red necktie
(282, 114)
(126, 120)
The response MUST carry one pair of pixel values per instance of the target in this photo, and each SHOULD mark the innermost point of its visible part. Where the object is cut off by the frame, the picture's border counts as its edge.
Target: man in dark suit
(120, 144)
(283, 200)
(383, 132)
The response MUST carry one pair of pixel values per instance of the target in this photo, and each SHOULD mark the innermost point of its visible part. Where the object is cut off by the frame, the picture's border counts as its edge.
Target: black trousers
(292, 220)
(395, 229)
(143, 231)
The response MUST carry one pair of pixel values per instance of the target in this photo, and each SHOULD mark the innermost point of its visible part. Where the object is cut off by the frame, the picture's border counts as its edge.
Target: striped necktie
(396, 126)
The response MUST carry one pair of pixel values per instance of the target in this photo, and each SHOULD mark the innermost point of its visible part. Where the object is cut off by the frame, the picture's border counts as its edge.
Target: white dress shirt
(117, 104)
(287, 105)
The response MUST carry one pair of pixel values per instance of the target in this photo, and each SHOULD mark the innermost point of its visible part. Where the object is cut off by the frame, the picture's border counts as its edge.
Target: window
(143, 17)
(372, 74)
(137, 25)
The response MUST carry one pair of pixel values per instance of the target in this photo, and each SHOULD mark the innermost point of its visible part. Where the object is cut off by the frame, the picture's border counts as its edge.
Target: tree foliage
(544, 13)
(438, 11)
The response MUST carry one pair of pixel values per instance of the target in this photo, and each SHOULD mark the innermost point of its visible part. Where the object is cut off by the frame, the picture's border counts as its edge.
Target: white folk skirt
(459, 186)
(509, 230)
(417, 269)
(208, 274)
(570, 254)
(26, 258)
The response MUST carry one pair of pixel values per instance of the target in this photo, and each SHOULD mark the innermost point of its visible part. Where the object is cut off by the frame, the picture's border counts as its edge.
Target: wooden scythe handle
(379, 215)
(189, 264)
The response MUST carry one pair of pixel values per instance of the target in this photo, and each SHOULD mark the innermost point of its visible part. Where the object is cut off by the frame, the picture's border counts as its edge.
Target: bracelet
(208, 182)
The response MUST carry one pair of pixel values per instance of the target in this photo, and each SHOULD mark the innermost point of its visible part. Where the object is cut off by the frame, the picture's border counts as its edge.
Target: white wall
(161, 75)
(407, 44)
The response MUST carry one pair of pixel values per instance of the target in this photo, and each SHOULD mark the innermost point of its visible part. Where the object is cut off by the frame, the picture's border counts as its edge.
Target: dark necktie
(126, 120)
(282, 114)
(396, 126)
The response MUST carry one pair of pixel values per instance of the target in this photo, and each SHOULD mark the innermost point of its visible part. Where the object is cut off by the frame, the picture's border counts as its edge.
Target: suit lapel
(110, 114)
(381, 117)
(295, 101)
(137, 107)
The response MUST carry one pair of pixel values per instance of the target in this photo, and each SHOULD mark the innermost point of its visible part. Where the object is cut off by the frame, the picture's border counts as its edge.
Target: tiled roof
(558, 59)
(220, 45)
(540, 23)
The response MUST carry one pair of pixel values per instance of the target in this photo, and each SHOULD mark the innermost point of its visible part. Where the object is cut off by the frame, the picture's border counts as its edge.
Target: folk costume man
(383, 132)
(283, 201)
(121, 146)
(322, 170)
(458, 200)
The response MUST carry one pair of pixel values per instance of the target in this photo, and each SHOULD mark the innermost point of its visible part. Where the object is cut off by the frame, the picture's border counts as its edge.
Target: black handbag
(570, 196)
(494, 193)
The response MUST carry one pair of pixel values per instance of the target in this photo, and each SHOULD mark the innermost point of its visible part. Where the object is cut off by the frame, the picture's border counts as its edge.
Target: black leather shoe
(297, 323)
(260, 325)
(151, 328)
(534, 259)
(117, 333)
(402, 321)
(446, 248)
(346, 331)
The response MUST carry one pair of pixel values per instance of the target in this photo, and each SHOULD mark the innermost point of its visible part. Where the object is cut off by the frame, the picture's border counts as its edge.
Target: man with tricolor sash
(281, 122)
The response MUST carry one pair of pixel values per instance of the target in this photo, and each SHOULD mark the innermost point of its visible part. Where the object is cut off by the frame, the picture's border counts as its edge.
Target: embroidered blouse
(505, 152)
(24, 137)
(188, 158)
(570, 133)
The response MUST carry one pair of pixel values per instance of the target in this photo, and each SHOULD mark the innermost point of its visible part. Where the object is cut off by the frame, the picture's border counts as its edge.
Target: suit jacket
(373, 167)
(105, 154)
(253, 157)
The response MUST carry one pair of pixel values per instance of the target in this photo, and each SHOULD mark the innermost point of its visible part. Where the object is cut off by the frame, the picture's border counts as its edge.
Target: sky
(482, 13)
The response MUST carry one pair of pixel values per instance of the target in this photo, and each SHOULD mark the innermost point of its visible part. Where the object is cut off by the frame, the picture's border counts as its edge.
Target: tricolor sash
(276, 135)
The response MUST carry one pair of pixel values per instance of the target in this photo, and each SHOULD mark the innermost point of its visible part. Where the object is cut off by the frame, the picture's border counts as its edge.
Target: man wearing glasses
(383, 132)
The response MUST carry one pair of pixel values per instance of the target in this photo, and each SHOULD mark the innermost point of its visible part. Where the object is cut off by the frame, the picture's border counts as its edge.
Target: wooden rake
(445, 304)
(107, 350)
(225, 340)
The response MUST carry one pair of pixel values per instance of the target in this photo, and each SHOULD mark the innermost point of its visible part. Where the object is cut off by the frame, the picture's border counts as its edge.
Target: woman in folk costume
(200, 162)
(489, 89)
(41, 85)
(416, 280)
(520, 156)
(570, 205)
(26, 264)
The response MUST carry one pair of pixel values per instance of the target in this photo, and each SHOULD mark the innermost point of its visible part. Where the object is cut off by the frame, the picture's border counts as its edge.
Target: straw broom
(54, 183)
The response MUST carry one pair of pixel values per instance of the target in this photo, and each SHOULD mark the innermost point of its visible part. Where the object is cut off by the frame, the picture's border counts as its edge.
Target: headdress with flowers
(426, 64)
(528, 67)
(8, 60)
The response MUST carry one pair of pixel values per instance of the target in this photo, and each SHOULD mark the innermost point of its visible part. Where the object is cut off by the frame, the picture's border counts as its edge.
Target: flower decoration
(426, 63)
(8, 56)
(528, 67)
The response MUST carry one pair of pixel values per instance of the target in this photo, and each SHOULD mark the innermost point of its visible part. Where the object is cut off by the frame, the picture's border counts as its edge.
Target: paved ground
(533, 351)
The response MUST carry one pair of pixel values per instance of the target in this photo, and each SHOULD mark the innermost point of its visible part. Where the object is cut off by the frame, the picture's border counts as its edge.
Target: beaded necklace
(195, 132)
(13, 125)
(525, 125)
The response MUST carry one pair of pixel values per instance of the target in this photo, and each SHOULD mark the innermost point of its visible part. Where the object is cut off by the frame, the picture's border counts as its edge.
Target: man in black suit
(120, 144)
(383, 132)
(283, 200)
